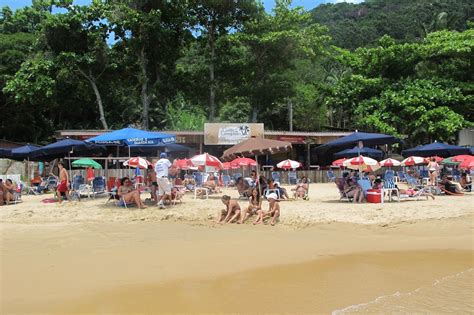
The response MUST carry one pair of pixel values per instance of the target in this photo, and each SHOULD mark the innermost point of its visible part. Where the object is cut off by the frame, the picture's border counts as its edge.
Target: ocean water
(451, 294)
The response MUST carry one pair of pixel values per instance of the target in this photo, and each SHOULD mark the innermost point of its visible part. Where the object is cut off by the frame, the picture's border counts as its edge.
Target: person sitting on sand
(351, 189)
(152, 183)
(230, 213)
(9, 186)
(5, 195)
(243, 187)
(450, 185)
(273, 210)
(255, 204)
(128, 194)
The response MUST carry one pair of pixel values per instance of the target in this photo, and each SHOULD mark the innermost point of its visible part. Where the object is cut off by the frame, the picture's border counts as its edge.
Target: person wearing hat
(273, 210)
(162, 167)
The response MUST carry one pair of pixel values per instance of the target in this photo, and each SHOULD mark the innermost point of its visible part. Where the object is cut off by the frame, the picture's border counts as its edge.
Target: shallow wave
(450, 294)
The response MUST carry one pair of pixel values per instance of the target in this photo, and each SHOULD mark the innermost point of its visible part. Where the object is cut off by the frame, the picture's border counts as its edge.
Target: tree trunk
(254, 114)
(212, 88)
(98, 98)
(145, 97)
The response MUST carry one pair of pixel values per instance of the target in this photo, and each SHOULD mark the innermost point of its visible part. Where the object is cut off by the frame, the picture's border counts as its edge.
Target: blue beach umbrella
(25, 152)
(366, 138)
(348, 153)
(436, 148)
(64, 147)
(132, 137)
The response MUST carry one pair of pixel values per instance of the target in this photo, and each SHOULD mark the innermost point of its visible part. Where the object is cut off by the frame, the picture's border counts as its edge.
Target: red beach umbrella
(467, 164)
(460, 158)
(183, 164)
(243, 161)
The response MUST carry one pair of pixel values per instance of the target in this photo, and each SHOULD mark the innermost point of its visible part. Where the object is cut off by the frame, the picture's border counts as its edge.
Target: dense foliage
(400, 67)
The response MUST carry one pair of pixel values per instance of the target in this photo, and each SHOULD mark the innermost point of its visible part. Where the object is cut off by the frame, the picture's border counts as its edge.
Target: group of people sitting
(233, 213)
(246, 185)
(7, 191)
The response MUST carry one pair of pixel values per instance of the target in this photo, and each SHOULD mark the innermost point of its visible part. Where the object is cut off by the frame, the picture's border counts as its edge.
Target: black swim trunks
(155, 184)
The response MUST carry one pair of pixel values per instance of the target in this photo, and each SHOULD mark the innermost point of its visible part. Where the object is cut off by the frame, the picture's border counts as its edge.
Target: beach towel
(49, 200)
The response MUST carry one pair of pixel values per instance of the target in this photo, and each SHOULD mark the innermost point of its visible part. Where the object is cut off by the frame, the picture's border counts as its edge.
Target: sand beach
(324, 256)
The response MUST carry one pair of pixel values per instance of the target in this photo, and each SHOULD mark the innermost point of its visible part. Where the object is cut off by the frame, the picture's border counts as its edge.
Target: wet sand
(154, 267)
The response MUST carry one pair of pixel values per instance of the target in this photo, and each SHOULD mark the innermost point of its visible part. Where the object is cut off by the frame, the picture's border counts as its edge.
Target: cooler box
(374, 195)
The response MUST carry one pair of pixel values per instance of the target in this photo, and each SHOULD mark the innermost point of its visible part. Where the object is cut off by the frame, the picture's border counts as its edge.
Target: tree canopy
(402, 68)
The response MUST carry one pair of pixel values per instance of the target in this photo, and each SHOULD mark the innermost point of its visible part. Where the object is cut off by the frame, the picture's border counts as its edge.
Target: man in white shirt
(164, 186)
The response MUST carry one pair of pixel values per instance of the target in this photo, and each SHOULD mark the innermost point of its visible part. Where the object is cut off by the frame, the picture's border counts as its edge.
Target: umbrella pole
(129, 168)
(258, 177)
(69, 160)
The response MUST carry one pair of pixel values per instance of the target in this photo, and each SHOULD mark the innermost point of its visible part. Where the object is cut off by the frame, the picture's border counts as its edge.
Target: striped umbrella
(206, 160)
(362, 163)
(229, 165)
(137, 162)
(288, 164)
(413, 160)
(338, 162)
(389, 162)
(183, 164)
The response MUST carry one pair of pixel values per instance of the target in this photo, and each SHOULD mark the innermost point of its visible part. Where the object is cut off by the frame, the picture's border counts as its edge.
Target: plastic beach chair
(331, 176)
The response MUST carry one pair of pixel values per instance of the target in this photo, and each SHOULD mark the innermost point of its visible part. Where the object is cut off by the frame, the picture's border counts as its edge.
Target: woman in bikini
(230, 213)
(433, 169)
(273, 210)
(255, 204)
(128, 194)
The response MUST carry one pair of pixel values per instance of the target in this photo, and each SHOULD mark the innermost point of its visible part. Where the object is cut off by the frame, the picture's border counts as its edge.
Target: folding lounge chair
(389, 175)
(331, 176)
(292, 178)
(389, 187)
(365, 185)
(98, 185)
(276, 176)
(226, 180)
(401, 176)
(340, 186)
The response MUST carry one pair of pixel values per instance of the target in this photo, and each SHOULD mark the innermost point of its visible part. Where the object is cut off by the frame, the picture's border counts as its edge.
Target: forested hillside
(356, 25)
(177, 64)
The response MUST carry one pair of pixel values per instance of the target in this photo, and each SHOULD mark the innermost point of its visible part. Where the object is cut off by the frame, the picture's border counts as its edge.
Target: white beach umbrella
(413, 160)
(361, 163)
(206, 160)
(389, 163)
(288, 164)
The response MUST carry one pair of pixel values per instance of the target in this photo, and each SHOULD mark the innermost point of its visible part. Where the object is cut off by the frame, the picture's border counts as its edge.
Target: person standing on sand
(273, 210)
(162, 167)
(433, 169)
(232, 208)
(152, 183)
(63, 187)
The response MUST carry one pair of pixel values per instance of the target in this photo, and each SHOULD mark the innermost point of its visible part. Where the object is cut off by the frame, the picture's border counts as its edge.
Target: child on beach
(273, 210)
(230, 213)
(255, 204)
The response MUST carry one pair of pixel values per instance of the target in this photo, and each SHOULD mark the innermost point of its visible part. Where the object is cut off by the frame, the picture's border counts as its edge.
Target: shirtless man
(5, 195)
(232, 208)
(273, 210)
(63, 186)
(153, 183)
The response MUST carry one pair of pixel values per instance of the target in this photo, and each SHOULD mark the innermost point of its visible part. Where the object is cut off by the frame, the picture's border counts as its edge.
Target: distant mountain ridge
(356, 25)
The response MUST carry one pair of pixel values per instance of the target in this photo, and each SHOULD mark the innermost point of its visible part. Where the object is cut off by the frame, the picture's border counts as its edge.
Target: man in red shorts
(62, 190)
